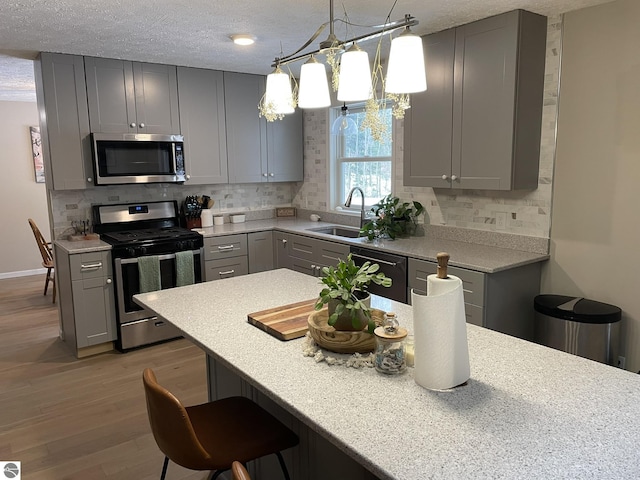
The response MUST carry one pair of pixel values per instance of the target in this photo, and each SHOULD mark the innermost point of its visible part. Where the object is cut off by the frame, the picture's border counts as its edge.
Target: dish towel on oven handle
(149, 272)
(184, 268)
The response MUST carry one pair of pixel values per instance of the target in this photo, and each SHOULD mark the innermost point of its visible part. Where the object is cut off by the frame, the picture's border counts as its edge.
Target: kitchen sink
(337, 230)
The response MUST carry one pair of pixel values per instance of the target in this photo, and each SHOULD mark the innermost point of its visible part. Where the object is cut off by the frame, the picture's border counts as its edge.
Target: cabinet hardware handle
(375, 260)
(454, 178)
(228, 272)
(91, 266)
(444, 177)
(188, 177)
(132, 124)
(284, 240)
(224, 248)
(159, 323)
(89, 179)
(108, 280)
(142, 125)
(271, 175)
(264, 174)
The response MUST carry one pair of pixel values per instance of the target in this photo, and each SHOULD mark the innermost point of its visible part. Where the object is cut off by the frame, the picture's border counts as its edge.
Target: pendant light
(314, 89)
(279, 95)
(344, 125)
(355, 76)
(406, 70)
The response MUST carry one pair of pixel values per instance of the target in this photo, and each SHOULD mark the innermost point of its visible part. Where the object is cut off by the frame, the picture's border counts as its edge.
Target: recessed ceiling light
(243, 39)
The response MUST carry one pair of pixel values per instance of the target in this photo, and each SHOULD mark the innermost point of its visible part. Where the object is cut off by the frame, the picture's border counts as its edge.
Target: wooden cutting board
(285, 322)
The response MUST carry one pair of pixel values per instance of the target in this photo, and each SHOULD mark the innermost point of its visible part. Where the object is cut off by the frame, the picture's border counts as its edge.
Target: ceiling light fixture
(243, 39)
(351, 74)
(345, 124)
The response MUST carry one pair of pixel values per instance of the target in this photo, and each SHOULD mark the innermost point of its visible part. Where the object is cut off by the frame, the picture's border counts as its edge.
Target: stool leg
(283, 466)
(164, 468)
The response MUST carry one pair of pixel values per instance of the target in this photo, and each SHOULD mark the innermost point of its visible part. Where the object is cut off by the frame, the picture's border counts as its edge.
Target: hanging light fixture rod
(332, 41)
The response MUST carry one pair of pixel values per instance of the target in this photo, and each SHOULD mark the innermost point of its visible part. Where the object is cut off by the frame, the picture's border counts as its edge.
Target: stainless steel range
(142, 230)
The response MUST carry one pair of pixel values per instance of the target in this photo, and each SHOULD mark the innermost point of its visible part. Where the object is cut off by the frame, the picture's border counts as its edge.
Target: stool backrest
(239, 472)
(170, 424)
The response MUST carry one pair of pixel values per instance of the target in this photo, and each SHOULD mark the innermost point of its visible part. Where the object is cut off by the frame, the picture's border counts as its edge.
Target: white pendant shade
(354, 84)
(314, 88)
(406, 70)
(279, 95)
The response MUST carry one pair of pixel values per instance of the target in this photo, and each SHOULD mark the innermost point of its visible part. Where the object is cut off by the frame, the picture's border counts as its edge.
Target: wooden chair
(213, 435)
(47, 258)
(239, 472)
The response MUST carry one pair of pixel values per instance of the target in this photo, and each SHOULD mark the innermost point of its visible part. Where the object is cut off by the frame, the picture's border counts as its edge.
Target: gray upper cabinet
(497, 78)
(131, 97)
(257, 150)
(202, 119)
(64, 121)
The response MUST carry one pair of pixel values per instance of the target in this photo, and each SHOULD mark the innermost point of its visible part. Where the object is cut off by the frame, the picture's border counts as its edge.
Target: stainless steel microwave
(137, 158)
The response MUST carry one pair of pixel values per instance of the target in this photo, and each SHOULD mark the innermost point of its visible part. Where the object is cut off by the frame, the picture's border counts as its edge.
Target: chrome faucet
(347, 203)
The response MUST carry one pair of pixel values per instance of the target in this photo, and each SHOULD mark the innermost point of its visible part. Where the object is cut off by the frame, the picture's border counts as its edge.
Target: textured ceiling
(195, 32)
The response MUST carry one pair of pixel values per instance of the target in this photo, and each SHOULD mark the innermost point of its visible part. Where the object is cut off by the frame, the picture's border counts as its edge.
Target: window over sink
(360, 161)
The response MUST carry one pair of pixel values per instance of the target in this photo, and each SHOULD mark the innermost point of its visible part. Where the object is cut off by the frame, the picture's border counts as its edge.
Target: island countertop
(528, 411)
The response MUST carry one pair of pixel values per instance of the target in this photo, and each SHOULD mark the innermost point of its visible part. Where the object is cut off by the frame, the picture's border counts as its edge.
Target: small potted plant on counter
(346, 294)
(393, 219)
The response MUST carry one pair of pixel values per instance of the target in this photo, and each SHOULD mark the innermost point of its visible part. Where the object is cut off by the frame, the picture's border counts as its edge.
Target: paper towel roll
(206, 217)
(440, 334)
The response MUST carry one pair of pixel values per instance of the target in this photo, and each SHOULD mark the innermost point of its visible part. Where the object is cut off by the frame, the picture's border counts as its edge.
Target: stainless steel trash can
(576, 325)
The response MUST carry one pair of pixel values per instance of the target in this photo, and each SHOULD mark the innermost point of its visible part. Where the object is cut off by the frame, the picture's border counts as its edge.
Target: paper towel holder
(443, 261)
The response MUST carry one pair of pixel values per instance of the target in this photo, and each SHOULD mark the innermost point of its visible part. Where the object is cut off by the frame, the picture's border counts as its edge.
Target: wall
(595, 232)
(528, 211)
(256, 200)
(20, 196)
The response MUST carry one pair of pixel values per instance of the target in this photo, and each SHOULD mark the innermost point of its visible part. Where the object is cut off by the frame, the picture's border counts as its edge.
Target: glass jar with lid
(390, 349)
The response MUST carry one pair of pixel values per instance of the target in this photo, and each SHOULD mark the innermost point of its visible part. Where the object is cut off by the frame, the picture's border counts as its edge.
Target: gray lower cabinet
(315, 458)
(87, 300)
(261, 253)
(225, 257)
(64, 121)
(305, 254)
(202, 120)
(478, 124)
(501, 301)
(131, 97)
(257, 150)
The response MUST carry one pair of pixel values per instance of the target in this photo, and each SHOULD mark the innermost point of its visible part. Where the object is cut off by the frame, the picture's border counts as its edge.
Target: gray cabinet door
(488, 86)
(131, 97)
(281, 250)
(111, 95)
(64, 121)
(156, 89)
(284, 141)
(246, 131)
(201, 97)
(261, 254)
(226, 268)
(428, 123)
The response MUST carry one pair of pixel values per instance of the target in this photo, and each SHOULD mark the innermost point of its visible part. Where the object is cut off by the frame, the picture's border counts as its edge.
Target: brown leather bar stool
(213, 435)
(239, 472)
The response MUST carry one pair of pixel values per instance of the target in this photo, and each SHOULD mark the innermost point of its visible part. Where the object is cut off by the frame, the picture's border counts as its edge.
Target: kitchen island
(527, 412)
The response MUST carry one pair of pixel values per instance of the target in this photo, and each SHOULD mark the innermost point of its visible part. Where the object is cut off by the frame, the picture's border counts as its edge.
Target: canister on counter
(390, 348)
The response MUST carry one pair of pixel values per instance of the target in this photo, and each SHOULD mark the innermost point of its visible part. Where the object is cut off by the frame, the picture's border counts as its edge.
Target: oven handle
(375, 260)
(168, 256)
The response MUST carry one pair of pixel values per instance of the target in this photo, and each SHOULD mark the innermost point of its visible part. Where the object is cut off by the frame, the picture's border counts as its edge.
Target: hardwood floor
(65, 418)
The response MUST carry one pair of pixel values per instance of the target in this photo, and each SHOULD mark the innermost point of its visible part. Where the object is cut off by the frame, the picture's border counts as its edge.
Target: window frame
(336, 161)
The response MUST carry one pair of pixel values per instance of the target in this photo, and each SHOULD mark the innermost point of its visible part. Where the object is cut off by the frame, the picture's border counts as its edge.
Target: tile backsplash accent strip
(523, 213)
(257, 201)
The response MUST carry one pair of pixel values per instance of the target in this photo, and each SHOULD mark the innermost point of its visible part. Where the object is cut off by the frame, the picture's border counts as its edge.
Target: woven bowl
(342, 342)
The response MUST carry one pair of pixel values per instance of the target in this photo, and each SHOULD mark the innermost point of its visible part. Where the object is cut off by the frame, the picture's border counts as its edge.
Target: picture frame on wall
(36, 149)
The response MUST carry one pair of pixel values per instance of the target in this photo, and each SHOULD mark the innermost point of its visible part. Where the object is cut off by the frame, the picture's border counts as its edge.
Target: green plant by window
(393, 219)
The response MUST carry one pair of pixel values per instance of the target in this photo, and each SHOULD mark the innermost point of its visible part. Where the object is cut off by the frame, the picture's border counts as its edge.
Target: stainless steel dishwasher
(393, 266)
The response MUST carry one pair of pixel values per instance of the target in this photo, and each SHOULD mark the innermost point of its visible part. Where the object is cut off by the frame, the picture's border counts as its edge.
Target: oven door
(128, 283)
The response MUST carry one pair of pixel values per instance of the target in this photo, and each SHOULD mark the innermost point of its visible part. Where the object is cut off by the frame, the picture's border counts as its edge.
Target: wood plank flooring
(70, 419)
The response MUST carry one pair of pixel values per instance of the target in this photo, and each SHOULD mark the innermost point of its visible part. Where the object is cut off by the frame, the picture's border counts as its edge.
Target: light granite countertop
(482, 258)
(528, 411)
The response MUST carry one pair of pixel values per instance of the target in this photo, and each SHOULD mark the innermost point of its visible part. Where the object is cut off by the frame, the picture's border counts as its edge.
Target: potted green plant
(393, 219)
(346, 294)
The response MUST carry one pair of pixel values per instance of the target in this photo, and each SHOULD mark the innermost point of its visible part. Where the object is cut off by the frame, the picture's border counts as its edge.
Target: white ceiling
(196, 32)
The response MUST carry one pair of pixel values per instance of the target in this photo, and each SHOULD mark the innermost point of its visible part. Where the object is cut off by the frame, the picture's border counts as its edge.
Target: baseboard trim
(23, 273)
